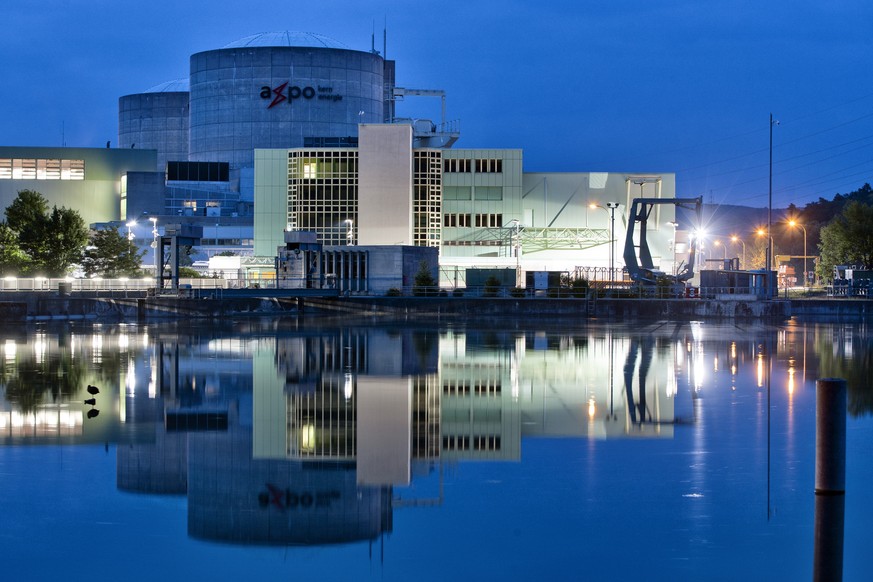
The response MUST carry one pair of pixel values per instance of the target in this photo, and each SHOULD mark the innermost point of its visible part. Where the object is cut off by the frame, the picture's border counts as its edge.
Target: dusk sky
(678, 86)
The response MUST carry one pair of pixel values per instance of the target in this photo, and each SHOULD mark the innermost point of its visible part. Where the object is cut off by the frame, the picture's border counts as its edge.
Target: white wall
(384, 185)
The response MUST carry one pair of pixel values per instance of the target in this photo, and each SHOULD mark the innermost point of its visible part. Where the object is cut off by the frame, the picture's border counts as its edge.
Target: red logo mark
(279, 93)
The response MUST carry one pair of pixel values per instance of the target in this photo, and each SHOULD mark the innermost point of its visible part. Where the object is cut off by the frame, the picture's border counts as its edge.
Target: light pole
(675, 226)
(130, 236)
(612, 206)
(793, 223)
(770, 211)
(154, 221)
(735, 239)
(517, 248)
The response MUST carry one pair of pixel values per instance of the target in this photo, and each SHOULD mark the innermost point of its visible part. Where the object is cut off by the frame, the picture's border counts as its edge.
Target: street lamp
(154, 221)
(517, 248)
(794, 223)
(735, 239)
(130, 236)
(717, 243)
(612, 206)
(770, 249)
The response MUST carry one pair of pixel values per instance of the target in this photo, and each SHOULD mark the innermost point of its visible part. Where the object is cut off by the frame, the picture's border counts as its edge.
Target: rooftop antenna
(373, 39)
(385, 39)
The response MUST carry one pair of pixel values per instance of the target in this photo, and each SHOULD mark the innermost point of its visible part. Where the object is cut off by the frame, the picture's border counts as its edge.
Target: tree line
(38, 240)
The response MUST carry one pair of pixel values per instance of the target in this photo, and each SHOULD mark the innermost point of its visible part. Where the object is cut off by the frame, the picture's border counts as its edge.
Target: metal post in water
(830, 478)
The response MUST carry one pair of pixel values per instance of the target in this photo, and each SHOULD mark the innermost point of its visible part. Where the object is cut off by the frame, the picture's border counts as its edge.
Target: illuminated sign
(284, 93)
(288, 499)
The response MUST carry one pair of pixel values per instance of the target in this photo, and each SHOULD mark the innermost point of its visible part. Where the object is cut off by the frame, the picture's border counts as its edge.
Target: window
(456, 165)
(41, 169)
(456, 220)
(489, 220)
(489, 165)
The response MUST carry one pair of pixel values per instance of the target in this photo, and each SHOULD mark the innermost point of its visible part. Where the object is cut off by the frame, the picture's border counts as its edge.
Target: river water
(330, 450)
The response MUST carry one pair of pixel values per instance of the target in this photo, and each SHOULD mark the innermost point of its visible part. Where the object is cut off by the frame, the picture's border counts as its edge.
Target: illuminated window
(310, 170)
(41, 169)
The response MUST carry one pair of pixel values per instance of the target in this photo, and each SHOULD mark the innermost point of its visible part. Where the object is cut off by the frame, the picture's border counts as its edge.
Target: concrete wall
(385, 185)
(271, 200)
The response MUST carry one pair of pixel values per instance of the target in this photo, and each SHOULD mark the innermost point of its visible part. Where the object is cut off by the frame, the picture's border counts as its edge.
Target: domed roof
(177, 86)
(287, 38)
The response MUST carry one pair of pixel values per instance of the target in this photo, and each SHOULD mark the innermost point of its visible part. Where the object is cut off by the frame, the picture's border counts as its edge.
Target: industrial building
(295, 131)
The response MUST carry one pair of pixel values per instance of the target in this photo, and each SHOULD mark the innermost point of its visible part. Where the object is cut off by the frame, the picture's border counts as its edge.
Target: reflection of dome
(177, 86)
(283, 39)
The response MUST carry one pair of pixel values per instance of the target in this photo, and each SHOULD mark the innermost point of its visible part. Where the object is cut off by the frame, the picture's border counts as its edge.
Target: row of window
(466, 166)
(479, 443)
(460, 220)
(480, 388)
(41, 169)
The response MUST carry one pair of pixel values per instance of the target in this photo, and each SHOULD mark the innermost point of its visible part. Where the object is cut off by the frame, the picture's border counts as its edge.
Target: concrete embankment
(626, 309)
(43, 306)
(832, 308)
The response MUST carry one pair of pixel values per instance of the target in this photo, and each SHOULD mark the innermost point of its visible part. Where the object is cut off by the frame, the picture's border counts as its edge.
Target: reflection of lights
(43, 422)
(123, 342)
(307, 437)
(348, 386)
(791, 380)
(715, 364)
(9, 350)
(760, 370)
(591, 407)
(734, 350)
(131, 377)
(153, 377)
(39, 348)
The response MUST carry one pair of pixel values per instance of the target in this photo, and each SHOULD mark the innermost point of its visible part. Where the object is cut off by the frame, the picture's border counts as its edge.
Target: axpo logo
(280, 95)
(287, 498)
(284, 93)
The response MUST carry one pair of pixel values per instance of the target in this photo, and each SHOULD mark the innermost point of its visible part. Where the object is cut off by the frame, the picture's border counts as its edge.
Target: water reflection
(295, 433)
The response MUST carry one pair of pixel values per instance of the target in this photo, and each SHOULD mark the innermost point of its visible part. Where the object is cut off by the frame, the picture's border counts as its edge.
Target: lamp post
(130, 236)
(735, 239)
(612, 206)
(517, 249)
(154, 221)
(794, 223)
(675, 226)
(770, 212)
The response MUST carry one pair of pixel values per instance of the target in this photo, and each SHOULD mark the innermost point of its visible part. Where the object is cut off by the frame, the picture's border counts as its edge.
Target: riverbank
(44, 306)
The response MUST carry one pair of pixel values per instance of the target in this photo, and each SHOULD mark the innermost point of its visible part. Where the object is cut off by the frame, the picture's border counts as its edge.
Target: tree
(52, 241)
(12, 259)
(110, 254)
(425, 284)
(847, 239)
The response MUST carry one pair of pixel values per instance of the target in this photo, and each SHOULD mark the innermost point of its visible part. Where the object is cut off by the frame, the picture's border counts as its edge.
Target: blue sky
(605, 85)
